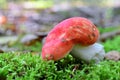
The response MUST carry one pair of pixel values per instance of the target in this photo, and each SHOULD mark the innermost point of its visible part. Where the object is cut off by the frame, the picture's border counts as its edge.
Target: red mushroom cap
(65, 35)
(77, 29)
(56, 49)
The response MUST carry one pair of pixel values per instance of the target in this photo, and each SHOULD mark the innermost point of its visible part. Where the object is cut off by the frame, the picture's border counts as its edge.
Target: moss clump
(31, 67)
(112, 44)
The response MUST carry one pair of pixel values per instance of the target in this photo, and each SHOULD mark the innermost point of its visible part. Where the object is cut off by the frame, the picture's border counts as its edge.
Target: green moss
(29, 67)
(112, 44)
(24, 67)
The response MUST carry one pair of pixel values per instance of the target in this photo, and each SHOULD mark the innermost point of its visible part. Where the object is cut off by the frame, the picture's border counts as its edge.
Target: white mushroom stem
(90, 53)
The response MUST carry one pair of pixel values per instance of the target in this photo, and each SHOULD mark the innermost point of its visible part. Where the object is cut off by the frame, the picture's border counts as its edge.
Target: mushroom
(68, 34)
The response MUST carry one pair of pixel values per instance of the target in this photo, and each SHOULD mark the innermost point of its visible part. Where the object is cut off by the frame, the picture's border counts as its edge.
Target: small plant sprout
(77, 35)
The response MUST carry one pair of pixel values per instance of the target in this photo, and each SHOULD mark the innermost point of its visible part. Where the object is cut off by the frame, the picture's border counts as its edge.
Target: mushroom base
(90, 53)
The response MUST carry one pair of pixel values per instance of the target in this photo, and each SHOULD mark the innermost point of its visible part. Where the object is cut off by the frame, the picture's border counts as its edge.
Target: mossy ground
(29, 67)
(26, 66)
